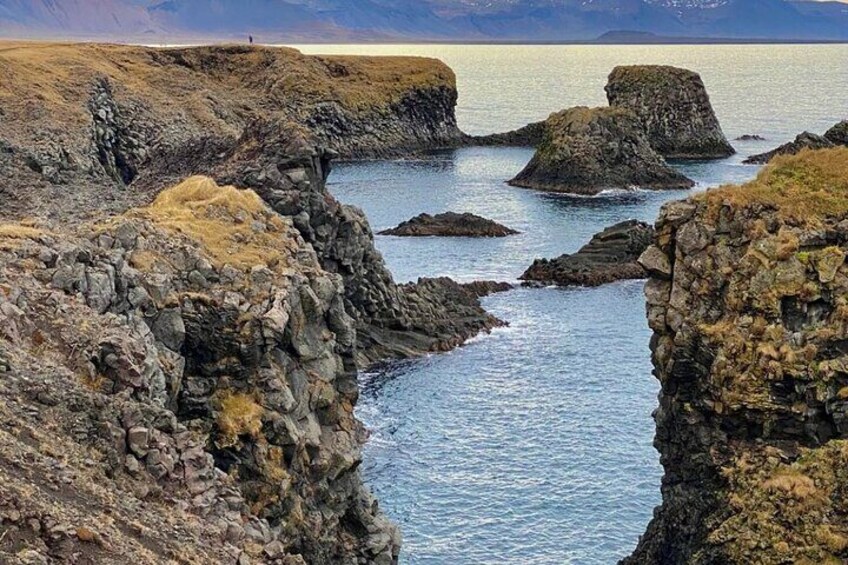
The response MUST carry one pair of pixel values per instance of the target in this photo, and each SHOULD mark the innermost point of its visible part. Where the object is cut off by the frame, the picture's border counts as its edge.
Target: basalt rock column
(673, 107)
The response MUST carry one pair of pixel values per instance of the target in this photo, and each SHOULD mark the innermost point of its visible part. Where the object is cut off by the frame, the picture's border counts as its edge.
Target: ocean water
(533, 445)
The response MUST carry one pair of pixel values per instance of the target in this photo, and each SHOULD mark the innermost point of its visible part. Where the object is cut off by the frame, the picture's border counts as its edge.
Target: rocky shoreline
(184, 306)
(208, 337)
(836, 136)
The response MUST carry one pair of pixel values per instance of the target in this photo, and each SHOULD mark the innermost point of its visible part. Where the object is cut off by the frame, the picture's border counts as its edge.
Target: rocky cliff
(129, 121)
(587, 150)
(747, 304)
(674, 108)
(205, 340)
(178, 384)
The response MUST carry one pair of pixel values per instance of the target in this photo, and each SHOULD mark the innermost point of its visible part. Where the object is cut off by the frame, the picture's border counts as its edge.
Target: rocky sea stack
(450, 224)
(674, 108)
(588, 150)
(750, 346)
(610, 256)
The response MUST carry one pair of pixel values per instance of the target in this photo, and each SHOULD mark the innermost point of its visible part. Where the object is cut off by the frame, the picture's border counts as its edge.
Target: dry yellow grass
(18, 231)
(231, 226)
(39, 78)
(806, 187)
(238, 414)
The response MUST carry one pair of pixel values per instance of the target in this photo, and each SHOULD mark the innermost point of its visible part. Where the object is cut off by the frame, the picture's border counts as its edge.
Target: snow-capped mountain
(455, 20)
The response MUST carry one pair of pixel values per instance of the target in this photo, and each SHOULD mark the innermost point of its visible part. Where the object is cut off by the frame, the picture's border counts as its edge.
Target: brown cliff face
(129, 121)
(749, 345)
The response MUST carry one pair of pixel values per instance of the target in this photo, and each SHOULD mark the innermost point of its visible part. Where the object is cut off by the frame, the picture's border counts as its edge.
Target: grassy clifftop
(53, 73)
(807, 187)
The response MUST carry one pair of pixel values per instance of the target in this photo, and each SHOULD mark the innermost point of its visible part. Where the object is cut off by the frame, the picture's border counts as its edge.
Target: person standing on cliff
(250, 38)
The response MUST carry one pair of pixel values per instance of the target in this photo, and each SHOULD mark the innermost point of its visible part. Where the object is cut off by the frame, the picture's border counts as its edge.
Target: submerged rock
(674, 108)
(450, 224)
(750, 137)
(611, 255)
(587, 150)
(803, 141)
(749, 347)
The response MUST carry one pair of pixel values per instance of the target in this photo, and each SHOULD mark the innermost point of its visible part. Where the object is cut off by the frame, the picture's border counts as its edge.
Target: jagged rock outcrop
(834, 137)
(747, 304)
(179, 383)
(486, 288)
(588, 150)
(611, 255)
(243, 116)
(838, 134)
(530, 135)
(205, 344)
(674, 108)
(803, 141)
(450, 224)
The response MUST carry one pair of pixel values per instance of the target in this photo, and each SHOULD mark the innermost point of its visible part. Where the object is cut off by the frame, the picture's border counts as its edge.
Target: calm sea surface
(533, 445)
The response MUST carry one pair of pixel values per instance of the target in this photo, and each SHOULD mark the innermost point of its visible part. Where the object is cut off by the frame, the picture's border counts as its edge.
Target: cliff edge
(747, 305)
(179, 352)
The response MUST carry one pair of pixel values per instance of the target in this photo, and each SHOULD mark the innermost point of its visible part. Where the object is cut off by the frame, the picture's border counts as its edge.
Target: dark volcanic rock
(485, 288)
(611, 255)
(750, 137)
(838, 134)
(206, 346)
(674, 107)
(450, 224)
(587, 150)
(529, 136)
(803, 141)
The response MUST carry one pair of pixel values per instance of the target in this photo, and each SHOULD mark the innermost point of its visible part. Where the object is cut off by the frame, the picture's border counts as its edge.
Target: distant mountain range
(425, 20)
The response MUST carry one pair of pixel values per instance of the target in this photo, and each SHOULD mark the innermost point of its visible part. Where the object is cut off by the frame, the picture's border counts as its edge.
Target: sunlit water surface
(533, 445)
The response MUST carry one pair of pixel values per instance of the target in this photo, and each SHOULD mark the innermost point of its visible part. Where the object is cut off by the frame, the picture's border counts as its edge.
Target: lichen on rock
(750, 327)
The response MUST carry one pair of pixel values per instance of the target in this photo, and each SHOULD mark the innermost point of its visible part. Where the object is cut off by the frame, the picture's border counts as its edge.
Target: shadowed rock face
(450, 224)
(749, 344)
(610, 256)
(587, 150)
(834, 137)
(674, 108)
(838, 134)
